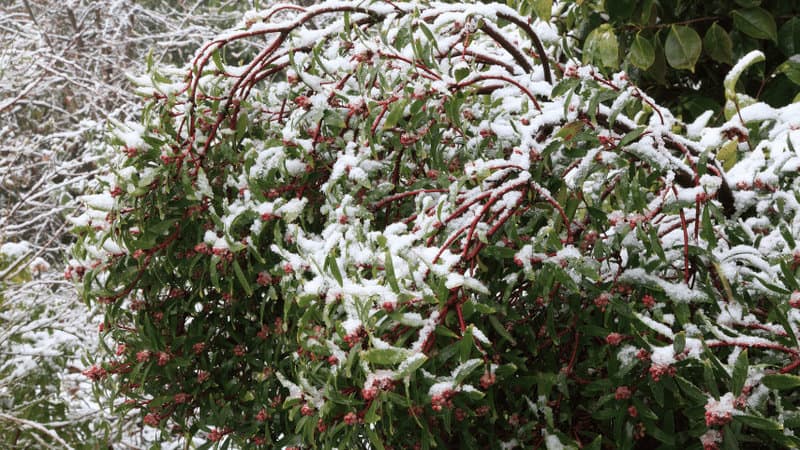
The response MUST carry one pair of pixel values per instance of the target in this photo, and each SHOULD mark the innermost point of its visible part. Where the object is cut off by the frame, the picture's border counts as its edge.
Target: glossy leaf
(642, 52)
(601, 47)
(682, 47)
(781, 381)
(755, 22)
(789, 37)
(717, 44)
(739, 375)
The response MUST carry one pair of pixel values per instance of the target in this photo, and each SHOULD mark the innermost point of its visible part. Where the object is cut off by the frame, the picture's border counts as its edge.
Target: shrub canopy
(402, 225)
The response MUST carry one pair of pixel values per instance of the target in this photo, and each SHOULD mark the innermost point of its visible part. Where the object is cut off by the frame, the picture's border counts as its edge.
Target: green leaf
(709, 379)
(543, 9)
(374, 439)
(389, 268)
(385, 356)
(601, 47)
(570, 130)
(728, 154)
(564, 86)
(739, 373)
(789, 37)
(371, 415)
(242, 279)
(212, 267)
(395, 114)
(718, 45)
(631, 136)
(679, 343)
(691, 390)
(787, 236)
(501, 330)
(333, 267)
(791, 68)
(781, 381)
(464, 370)
(756, 22)
(642, 52)
(682, 47)
(759, 423)
(410, 367)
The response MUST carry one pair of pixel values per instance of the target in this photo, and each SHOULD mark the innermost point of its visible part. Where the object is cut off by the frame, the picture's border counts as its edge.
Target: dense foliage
(401, 225)
(679, 51)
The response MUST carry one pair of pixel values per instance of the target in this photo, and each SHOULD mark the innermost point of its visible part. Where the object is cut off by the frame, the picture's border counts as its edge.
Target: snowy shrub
(397, 226)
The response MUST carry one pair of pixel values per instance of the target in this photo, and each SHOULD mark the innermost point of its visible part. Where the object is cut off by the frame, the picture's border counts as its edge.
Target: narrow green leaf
(217, 58)
(412, 366)
(333, 267)
(691, 390)
(465, 369)
(759, 423)
(679, 342)
(781, 381)
(501, 330)
(787, 236)
(631, 136)
(707, 229)
(682, 47)
(564, 86)
(709, 379)
(395, 114)
(789, 276)
(242, 279)
(212, 267)
(389, 268)
(426, 31)
(739, 373)
(756, 22)
(371, 415)
(374, 439)
(385, 356)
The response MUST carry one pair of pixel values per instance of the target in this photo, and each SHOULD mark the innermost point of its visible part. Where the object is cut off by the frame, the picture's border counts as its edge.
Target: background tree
(62, 79)
(374, 225)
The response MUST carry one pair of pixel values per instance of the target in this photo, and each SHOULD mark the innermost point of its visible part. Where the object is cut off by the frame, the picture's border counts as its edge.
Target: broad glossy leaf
(642, 52)
(755, 22)
(601, 47)
(682, 47)
(789, 37)
(717, 44)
